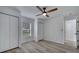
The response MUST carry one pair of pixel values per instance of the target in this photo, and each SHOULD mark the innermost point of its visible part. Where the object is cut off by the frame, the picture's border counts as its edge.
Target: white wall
(56, 22)
(36, 30)
(54, 29)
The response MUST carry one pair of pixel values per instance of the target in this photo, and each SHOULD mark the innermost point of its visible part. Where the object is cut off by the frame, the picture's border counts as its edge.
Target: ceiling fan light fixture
(44, 14)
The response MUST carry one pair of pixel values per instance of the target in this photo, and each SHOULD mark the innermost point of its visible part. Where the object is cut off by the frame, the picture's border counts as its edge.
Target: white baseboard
(71, 43)
(55, 41)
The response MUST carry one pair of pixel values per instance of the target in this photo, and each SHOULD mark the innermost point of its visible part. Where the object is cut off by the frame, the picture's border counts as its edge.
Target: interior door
(40, 31)
(13, 32)
(70, 32)
(4, 32)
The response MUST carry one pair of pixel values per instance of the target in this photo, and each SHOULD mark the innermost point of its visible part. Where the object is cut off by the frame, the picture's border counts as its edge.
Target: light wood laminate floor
(43, 47)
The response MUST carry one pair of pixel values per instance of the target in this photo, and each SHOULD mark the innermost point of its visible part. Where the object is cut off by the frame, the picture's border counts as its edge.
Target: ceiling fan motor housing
(44, 10)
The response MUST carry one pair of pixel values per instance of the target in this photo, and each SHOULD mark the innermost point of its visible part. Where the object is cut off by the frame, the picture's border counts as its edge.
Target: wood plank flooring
(15, 50)
(43, 47)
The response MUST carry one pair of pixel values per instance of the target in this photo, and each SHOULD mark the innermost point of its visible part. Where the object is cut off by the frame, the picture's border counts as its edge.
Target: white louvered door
(8, 32)
(13, 32)
(4, 32)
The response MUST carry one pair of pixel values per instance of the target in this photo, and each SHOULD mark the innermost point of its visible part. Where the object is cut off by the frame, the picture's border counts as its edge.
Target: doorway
(70, 33)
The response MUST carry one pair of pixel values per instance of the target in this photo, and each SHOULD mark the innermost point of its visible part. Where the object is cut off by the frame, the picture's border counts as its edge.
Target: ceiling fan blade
(38, 14)
(52, 10)
(47, 15)
(39, 8)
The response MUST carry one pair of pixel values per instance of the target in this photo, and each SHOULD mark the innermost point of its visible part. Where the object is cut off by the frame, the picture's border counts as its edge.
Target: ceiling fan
(44, 12)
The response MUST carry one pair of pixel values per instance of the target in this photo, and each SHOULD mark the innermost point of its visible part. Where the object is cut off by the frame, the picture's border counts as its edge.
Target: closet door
(13, 32)
(4, 32)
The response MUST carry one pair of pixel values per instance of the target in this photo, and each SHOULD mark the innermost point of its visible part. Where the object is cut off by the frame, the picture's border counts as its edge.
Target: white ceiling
(31, 11)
